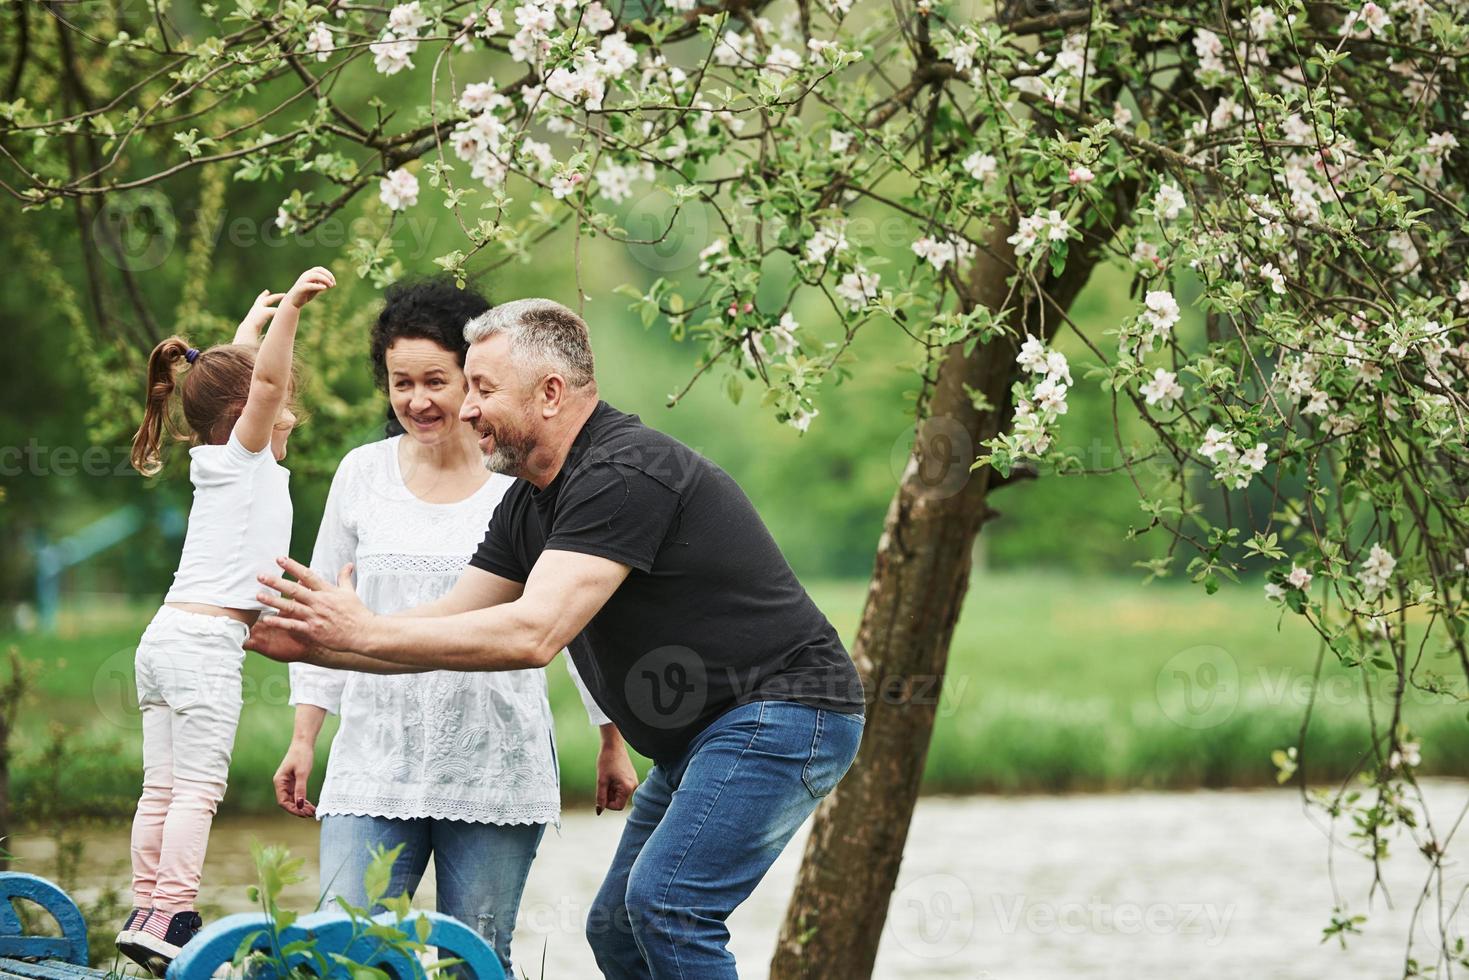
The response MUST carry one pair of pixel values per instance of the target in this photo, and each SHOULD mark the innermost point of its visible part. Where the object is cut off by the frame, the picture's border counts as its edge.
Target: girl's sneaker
(126, 939)
(161, 938)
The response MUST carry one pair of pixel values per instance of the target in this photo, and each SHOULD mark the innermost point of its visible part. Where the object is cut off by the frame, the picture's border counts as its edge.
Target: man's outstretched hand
(313, 611)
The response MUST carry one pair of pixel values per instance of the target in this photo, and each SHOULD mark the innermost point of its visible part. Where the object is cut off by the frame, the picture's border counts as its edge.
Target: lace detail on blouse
(474, 746)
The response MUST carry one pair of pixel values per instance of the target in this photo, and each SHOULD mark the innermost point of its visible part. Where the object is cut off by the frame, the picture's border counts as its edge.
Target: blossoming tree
(1294, 168)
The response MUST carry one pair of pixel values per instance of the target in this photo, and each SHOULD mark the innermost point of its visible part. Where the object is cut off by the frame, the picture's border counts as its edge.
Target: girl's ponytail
(147, 444)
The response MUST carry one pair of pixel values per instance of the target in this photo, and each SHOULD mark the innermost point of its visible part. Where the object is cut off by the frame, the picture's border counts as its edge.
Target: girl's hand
(248, 332)
(312, 281)
(290, 781)
(268, 639)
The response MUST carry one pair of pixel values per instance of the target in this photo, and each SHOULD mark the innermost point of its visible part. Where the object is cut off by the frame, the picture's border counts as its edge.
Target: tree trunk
(836, 916)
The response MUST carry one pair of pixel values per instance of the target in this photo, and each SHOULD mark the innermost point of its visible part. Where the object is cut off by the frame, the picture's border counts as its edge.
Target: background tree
(957, 172)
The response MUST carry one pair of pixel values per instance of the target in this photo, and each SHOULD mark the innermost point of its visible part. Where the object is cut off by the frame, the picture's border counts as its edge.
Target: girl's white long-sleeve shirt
(474, 746)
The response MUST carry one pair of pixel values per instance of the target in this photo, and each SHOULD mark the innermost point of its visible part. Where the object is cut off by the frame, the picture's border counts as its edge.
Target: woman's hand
(616, 777)
(312, 282)
(248, 332)
(315, 612)
(291, 777)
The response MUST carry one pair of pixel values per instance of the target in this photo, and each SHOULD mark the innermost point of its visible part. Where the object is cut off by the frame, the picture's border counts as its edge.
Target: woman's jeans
(703, 833)
(480, 867)
(188, 674)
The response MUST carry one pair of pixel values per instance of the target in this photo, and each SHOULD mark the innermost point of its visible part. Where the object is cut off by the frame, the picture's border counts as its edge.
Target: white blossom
(1163, 391)
(1032, 354)
(858, 287)
(1410, 756)
(398, 190)
(981, 166)
(407, 19)
(714, 254)
(597, 19)
(390, 55)
(829, 239)
(784, 334)
(319, 42)
(1370, 16)
(1273, 276)
(1376, 572)
(800, 419)
(1217, 442)
(1169, 202)
(562, 185)
(480, 96)
(1050, 396)
(940, 253)
(1210, 50)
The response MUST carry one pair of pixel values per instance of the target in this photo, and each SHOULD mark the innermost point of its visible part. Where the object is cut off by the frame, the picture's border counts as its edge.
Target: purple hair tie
(191, 355)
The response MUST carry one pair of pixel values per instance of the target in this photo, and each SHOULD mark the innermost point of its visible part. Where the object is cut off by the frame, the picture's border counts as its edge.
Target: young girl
(236, 402)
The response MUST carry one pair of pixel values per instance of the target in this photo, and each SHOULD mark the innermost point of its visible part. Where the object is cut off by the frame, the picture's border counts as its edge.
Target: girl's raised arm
(271, 381)
(248, 332)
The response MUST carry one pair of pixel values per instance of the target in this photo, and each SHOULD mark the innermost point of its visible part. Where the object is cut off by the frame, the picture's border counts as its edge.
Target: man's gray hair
(542, 333)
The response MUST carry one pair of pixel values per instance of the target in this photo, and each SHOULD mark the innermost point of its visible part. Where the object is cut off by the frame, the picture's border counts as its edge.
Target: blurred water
(1215, 884)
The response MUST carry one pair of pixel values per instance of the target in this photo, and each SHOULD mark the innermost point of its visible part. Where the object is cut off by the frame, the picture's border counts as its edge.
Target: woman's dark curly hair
(434, 309)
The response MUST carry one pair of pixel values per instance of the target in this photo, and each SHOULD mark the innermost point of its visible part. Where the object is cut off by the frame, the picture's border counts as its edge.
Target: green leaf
(379, 873)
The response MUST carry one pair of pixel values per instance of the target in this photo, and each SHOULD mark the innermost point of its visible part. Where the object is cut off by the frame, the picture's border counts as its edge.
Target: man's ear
(553, 395)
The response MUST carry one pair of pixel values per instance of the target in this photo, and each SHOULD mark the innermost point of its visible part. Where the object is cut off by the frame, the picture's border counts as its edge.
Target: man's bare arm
(564, 591)
(476, 589)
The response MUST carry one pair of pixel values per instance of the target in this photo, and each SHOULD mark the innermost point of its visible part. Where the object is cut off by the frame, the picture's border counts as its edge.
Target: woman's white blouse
(474, 746)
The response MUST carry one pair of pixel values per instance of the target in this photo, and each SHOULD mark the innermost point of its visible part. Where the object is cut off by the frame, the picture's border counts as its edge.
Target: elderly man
(681, 615)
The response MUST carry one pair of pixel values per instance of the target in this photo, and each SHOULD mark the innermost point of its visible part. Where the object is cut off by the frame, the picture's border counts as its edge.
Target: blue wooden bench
(64, 957)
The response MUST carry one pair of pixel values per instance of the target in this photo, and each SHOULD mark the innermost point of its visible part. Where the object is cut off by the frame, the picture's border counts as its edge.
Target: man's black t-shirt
(711, 615)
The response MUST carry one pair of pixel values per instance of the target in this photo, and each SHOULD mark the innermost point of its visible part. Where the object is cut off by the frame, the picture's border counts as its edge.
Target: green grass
(1056, 682)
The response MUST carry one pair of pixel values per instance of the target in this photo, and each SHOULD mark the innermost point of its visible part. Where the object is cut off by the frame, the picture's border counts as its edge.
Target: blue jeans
(703, 833)
(480, 867)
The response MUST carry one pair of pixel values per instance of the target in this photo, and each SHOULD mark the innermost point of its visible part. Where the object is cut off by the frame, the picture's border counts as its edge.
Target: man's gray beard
(506, 460)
